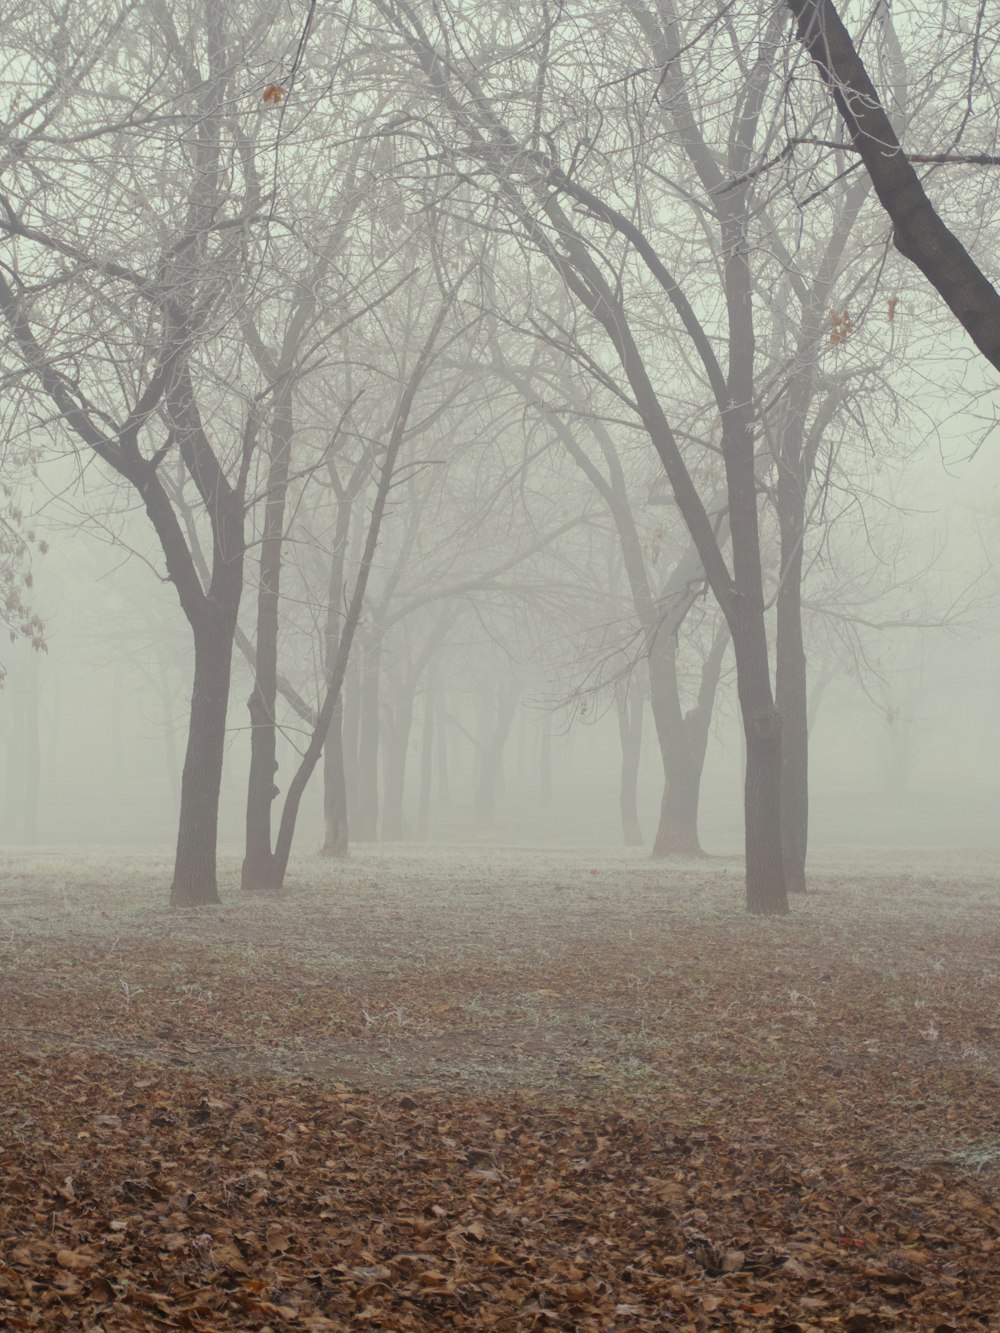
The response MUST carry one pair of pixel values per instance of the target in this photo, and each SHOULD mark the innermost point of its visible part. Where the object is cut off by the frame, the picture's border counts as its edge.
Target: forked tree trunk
(681, 802)
(677, 832)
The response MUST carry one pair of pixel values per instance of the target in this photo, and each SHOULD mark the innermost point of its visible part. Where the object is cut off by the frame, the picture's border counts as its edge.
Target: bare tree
(919, 232)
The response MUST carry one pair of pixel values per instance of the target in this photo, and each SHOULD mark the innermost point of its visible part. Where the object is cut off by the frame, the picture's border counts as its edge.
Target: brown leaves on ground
(705, 1123)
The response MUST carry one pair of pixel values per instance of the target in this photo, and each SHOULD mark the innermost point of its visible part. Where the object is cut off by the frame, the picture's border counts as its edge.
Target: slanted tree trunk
(919, 233)
(335, 678)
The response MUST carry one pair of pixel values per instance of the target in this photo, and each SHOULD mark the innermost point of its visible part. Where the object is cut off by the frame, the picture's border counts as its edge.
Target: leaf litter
(494, 1091)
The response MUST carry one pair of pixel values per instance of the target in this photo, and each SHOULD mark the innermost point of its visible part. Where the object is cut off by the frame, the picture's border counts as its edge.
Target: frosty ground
(485, 1088)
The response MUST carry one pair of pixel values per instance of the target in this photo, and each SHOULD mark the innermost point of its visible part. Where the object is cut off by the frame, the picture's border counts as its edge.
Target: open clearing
(479, 1088)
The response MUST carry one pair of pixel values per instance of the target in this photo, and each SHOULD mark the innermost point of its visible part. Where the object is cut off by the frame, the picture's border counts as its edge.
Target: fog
(499, 687)
(109, 699)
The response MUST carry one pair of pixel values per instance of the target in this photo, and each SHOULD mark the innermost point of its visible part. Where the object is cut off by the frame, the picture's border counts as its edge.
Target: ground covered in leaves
(483, 1089)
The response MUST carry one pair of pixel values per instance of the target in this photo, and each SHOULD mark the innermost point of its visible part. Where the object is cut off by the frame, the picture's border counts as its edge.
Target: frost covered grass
(557, 972)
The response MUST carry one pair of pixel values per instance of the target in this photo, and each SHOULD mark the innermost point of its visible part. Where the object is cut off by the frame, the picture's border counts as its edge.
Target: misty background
(386, 305)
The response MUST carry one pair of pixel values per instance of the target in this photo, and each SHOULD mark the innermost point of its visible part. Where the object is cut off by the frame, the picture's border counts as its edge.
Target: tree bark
(677, 831)
(194, 882)
(792, 693)
(919, 234)
(258, 869)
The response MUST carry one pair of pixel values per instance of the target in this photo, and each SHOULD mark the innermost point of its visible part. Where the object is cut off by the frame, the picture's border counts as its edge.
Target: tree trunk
(545, 766)
(258, 866)
(918, 231)
(427, 763)
(336, 841)
(484, 806)
(629, 706)
(793, 703)
(677, 833)
(335, 811)
(765, 875)
(365, 820)
(444, 769)
(194, 881)
(395, 749)
(350, 737)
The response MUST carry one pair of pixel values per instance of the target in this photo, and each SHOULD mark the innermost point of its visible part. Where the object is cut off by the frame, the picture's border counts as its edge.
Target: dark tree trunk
(766, 891)
(630, 704)
(677, 832)
(194, 881)
(918, 231)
